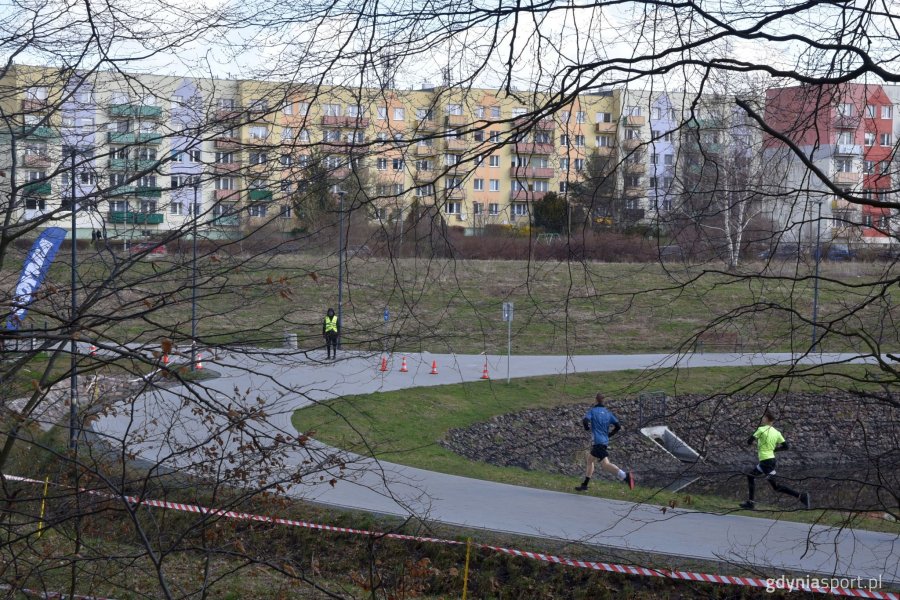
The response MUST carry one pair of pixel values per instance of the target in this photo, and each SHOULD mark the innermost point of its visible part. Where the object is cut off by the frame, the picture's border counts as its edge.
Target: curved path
(156, 426)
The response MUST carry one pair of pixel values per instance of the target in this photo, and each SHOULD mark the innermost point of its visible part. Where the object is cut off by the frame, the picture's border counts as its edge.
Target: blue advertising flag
(34, 270)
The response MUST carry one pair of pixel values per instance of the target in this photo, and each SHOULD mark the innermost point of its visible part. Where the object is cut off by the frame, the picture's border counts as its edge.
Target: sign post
(387, 317)
(508, 317)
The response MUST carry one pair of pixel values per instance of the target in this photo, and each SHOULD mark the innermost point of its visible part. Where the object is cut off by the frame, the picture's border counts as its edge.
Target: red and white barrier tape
(798, 584)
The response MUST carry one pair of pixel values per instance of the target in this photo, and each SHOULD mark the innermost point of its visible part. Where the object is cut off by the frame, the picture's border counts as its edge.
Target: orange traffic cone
(92, 351)
(383, 364)
(199, 361)
(484, 373)
(403, 368)
(165, 359)
(434, 367)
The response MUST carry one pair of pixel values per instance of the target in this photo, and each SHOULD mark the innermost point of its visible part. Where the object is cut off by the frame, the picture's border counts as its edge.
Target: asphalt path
(160, 427)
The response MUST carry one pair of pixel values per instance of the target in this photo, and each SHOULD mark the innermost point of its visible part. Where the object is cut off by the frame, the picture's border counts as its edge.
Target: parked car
(152, 250)
(781, 251)
(835, 253)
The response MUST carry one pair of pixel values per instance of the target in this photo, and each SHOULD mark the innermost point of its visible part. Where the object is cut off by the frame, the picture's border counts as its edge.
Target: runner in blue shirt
(597, 421)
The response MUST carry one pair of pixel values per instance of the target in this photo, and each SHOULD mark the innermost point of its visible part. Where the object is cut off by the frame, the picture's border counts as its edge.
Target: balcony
(635, 168)
(455, 120)
(148, 192)
(631, 144)
(135, 218)
(135, 111)
(525, 148)
(225, 194)
(425, 150)
(36, 160)
(605, 150)
(542, 125)
(848, 149)
(226, 143)
(712, 147)
(391, 176)
(143, 137)
(228, 114)
(125, 164)
(524, 195)
(34, 105)
(340, 173)
(423, 175)
(261, 195)
(712, 123)
(456, 193)
(606, 127)
(226, 221)
(224, 168)
(634, 192)
(333, 121)
(530, 172)
(843, 122)
(635, 120)
(456, 144)
(842, 177)
(40, 133)
(427, 125)
(37, 188)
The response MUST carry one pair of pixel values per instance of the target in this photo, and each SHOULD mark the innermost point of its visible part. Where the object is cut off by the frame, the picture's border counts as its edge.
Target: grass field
(445, 305)
(405, 426)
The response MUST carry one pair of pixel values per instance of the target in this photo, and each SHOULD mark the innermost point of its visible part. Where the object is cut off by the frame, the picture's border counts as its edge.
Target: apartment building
(845, 136)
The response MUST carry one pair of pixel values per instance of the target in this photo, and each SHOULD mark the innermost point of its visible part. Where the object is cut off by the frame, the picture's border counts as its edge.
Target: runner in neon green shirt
(769, 441)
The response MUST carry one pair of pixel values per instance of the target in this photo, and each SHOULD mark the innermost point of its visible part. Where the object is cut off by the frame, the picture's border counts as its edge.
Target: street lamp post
(73, 392)
(815, 313)
(194, 283)
(341, 195)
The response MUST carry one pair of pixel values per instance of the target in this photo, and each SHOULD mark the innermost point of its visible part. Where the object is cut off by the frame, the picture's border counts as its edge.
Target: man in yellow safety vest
(330, 333)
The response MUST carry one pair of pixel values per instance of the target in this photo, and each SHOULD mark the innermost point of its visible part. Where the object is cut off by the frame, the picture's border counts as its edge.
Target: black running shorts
(599, 451)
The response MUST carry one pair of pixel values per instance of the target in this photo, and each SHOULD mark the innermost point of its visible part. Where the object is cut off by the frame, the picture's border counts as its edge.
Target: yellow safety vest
(331, 324)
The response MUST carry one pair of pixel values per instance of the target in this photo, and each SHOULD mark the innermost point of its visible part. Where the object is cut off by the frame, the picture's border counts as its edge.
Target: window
(147, 181)
(286, 160)
(287, 134)
(304, 136)
(868, 167)
(424, 114)
(454, 208)
(285, 212)
(565, 116)
(454, 109)
(302, 108)
(87, 177)
(397, 164)
(175, 207)
(495, 112)
(632, 181)
(118, 205)
(495, 185)
(479, 185)
(399, 114)
(869, 138)
(259, 105)
(118, 126)
(479, 160)
(632, 134)
(495, 137)
(845, 109)
(148, 205)
(259, 132)
(226, 183)
(354, 110)
(381, 164)
(657, 113)
(331, 135)
(117, 179)
(669, 160)
(84, 96)
(667, 136)
(579, 141)
(224, 157)
(843, 165)
(870, 111)
(605, 141)
(425, 190)
(477, 208)
(35, 203)
(451, 159)
(604, 117)
(493, 208)
(654, 158)
(424, 165)
(579, 164)
(258, 209)
(478, 136)
(563, 186)
(564, 140)
(38, 94)
(225, 103)
(885, 167)
(579, 116)
(886, 139)
(355, 137)
(84, 123)
(180, 181)
(518, 209)
(633, 111)
(667, 183)
(36, 149)
(845, 137)
(564, 164)
(887, 112)
(653, 183)
(331, 110)
(518, 112)
(258, 158)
